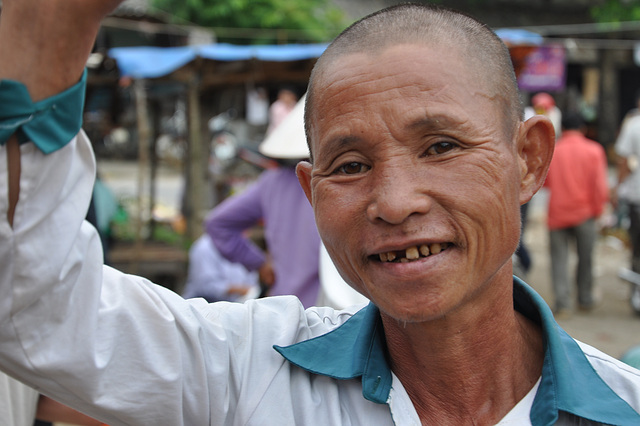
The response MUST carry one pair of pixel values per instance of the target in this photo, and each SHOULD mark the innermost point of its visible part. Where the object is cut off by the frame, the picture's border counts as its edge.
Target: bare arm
(45, 45)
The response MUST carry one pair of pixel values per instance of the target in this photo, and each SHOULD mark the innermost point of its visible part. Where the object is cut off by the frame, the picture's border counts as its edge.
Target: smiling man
(420, 162)
(417, 179)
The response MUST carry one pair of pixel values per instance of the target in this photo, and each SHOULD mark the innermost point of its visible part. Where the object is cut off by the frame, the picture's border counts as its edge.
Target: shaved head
(488, 58)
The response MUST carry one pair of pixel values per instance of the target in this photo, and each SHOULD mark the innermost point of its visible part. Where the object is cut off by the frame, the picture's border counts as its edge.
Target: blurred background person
(214, 278)
(522, 260)
(578, 192)
(276, 199)
(627, 191)
(281, 108)
(543, 104)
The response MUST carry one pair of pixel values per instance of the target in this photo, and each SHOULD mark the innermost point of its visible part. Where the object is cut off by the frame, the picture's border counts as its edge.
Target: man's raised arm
(45, 45)
(87, 335)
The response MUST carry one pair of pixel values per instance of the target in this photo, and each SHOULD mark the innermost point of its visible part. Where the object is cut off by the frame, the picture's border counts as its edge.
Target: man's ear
(303, 171)
(535, 144)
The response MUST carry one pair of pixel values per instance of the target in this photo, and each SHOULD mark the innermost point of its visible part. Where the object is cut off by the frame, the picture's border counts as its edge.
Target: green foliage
(616, 11)
(123, 227)
(271, 20)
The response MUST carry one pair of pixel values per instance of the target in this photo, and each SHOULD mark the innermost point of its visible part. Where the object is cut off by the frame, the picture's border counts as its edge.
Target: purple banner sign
(544, 69)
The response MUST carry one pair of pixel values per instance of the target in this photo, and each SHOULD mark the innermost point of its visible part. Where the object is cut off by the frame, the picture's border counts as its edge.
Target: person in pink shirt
(281, 108)
(577, 182)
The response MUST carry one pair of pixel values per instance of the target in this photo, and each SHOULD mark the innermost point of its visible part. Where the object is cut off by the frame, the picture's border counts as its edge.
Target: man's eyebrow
(432, 122)
(340, 142)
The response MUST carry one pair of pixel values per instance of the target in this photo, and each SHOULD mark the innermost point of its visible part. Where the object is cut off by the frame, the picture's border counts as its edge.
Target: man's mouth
(413, 253)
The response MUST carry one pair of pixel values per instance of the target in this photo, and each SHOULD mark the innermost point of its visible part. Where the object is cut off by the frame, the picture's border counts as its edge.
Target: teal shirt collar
(357, 349)
(50, 123)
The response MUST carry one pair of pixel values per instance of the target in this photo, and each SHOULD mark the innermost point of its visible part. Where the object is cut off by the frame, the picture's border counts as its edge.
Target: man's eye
(352, 168)
(440, 148)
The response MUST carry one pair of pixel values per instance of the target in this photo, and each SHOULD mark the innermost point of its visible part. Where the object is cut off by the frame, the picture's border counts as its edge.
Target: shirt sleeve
(624, 144)
(99, 340)
(227, 223)
(95, 347)
(112, 345)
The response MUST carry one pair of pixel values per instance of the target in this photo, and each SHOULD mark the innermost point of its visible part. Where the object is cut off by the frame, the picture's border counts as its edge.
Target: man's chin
(412, 313)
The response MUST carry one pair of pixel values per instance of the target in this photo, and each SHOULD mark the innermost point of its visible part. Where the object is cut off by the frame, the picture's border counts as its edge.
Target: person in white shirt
(214, 278)
(420, 160)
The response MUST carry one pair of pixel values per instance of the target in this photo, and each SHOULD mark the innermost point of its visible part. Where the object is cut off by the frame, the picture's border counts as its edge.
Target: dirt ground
(612, 326)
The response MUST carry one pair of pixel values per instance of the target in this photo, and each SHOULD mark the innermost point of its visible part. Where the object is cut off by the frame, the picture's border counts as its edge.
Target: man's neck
(466, 368)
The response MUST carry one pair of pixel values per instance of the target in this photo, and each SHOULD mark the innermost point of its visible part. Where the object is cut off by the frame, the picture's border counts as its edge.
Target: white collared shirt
(128, 352)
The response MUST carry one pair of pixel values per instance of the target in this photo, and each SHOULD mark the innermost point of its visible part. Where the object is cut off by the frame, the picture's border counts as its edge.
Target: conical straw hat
(288, 140)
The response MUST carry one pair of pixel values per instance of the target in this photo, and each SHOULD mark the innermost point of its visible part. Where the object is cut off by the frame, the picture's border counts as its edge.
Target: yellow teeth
(414, 253)
(387, 257)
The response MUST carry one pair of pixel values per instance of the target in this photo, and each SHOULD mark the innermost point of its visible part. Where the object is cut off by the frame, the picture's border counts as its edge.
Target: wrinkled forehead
(367, 80)
(405, 69)
(330, 65)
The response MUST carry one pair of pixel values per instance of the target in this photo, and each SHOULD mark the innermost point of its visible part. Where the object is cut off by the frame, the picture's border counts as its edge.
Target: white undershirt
(403, 411)
(519, 415)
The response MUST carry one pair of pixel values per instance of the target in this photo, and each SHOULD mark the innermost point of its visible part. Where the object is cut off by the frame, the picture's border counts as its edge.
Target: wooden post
(196, 173)
(142, 116)
(153, 161)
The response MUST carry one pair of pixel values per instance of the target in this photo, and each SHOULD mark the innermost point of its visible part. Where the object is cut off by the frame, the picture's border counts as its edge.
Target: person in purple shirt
(276, 198)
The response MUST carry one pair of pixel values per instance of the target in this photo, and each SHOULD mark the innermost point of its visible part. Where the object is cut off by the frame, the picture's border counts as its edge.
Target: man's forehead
(408, 67)
(343, 61)
(449, 102)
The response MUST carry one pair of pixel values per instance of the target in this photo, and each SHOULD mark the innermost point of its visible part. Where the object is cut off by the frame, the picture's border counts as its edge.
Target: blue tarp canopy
(518, 37)
(154, 62)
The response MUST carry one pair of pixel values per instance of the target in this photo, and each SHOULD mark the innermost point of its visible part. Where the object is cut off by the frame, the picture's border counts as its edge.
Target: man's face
(415, 184)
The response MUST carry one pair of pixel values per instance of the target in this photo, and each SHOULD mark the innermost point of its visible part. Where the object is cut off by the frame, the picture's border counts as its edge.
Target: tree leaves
(298, 20)
(616, 11)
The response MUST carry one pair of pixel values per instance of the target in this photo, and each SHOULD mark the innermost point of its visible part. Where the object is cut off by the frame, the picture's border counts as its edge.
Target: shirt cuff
(50, 123)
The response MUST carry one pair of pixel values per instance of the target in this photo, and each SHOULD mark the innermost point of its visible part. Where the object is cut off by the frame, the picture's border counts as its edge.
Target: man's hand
(50, 410)
(266, 274)
(45, 44)
(238, 290)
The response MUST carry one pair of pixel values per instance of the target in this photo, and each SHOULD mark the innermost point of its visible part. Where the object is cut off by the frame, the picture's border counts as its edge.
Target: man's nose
(398, 195)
